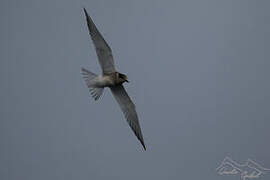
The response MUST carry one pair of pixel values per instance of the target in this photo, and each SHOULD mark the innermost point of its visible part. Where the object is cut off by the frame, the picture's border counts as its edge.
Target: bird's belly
(104, 81)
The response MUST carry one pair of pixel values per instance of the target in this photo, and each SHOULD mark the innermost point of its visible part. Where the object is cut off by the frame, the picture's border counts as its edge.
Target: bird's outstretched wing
(103, 50)
(129, 110)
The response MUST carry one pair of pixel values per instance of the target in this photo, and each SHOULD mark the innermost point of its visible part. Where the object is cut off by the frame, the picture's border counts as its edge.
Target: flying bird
(110, 78)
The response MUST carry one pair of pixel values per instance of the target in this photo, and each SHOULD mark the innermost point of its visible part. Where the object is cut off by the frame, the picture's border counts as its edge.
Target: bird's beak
(127, 80)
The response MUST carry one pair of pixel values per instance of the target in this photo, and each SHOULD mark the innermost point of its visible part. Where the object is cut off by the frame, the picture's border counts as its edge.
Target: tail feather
(96, 92)
(89, 79)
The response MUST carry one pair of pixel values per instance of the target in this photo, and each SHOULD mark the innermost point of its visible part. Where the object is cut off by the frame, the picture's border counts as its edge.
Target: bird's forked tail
(89, 79)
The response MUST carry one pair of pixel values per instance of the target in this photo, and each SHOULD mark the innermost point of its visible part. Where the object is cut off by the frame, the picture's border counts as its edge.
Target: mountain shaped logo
(249, 169)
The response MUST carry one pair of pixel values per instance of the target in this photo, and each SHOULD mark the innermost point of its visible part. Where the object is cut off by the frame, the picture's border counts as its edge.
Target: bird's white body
(104, 81)
(108, 80)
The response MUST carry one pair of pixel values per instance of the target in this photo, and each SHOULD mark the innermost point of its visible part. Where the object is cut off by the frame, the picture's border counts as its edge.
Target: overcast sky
(199, 76)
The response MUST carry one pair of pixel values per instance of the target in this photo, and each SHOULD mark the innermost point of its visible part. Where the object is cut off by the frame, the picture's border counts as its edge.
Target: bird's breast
(105, 81)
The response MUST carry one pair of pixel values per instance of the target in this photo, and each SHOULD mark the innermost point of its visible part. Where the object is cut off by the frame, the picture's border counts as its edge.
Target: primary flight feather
(110, 78)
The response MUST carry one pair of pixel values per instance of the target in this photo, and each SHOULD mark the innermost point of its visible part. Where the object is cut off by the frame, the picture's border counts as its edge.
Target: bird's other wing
(129, 110)
(103, 50)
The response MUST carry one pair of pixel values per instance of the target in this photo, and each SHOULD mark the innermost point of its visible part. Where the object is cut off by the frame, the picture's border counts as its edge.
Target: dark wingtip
(89, 21)
(85, 12)
(143, 145)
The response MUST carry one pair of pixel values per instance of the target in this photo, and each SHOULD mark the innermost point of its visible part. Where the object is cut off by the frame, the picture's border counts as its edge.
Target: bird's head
(123, 78)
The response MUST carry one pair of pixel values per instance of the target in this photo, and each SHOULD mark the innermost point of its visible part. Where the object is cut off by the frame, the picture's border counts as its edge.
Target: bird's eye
(122, 76)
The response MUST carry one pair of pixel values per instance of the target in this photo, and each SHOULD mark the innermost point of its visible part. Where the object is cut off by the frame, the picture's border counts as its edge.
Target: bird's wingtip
(84, 10)
(144, 148)
(143, 145)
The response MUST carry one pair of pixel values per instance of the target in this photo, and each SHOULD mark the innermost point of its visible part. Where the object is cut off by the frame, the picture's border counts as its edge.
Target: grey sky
(211, 57)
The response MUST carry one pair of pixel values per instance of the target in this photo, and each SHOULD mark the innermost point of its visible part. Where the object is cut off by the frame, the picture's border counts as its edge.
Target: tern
(110, 78)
